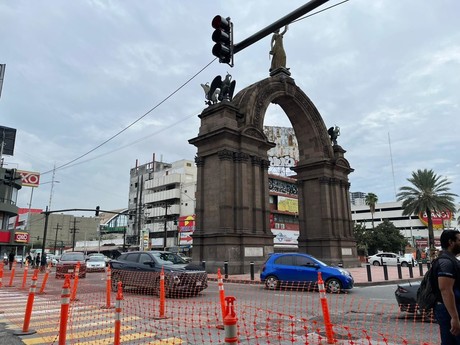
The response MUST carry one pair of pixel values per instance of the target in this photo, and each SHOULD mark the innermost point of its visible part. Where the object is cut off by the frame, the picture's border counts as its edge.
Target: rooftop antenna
(392, 167)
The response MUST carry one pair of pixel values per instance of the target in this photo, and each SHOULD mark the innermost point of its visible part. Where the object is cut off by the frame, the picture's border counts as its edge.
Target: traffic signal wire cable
(134, 122)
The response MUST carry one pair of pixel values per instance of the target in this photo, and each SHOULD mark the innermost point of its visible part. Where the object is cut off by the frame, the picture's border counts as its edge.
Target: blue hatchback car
(297, 268)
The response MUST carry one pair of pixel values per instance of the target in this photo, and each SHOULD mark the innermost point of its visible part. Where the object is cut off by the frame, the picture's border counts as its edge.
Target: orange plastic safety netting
(194, 314)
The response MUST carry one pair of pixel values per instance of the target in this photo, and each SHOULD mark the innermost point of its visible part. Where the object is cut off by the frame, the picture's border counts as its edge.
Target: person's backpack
(428, 292)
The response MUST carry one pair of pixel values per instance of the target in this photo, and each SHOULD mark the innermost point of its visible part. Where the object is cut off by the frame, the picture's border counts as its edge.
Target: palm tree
(371, 200)
(429, 193)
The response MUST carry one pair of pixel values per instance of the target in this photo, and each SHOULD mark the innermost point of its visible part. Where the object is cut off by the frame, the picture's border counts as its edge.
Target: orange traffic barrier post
(116, 340)
(221, 296)
(73, 296)
(29, 307)
(1, 273)
(326, 315)
(45, 279)
(162, 296)
(13, 271)
(24, 276)
(230, 320)
(65, 304)
(108, 287)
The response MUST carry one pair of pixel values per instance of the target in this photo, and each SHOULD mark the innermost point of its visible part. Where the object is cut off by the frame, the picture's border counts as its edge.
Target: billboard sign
(7, 138)
(288, 204)
(438, 218)
(29, 178)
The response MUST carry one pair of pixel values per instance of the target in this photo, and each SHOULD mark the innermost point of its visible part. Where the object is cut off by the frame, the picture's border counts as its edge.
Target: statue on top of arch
(219, 89)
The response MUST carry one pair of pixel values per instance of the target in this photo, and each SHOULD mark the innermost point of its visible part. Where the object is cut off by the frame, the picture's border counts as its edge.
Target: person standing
(11, 258)
(37, 260)
(447, 271)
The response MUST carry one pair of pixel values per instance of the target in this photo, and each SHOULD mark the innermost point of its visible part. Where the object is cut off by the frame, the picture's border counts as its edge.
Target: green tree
(385, 237)
(371, 200)
(359, 231)
(429, 193)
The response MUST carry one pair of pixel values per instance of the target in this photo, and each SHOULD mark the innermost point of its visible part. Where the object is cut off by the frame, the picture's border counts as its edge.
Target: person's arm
(446, 286)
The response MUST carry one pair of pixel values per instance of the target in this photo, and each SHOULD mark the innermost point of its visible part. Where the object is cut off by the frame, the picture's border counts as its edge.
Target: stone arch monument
(232, 201)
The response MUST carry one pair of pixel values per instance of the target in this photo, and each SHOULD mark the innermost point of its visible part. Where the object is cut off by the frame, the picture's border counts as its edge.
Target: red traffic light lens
(220, 22)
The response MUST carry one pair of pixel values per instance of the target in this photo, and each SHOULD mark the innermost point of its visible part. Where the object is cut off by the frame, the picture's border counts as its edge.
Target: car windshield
(96, 258)
(72, 257)
(168, 258)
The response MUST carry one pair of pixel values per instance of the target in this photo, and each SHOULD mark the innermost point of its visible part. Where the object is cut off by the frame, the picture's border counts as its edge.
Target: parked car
(141, 270)
(406, 296)
(95, 263)
(389, 259)
(297, 268)
(68, 262)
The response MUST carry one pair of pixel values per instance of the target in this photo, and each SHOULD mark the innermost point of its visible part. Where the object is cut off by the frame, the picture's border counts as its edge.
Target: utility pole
(74, 232)
(55, 237)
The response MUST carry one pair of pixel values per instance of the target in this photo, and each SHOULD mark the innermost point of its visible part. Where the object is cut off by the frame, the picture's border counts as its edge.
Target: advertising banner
(288, 204)
(438, 218)
(285, 236)
(186, 224)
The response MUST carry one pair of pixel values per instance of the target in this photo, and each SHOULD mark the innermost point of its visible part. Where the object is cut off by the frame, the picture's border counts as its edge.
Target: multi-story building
(357, 198)
(284, 210)
(160, 193)
(10, 183)
(413, 227)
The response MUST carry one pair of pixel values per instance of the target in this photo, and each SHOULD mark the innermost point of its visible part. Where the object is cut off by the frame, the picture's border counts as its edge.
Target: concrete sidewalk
(360, 275)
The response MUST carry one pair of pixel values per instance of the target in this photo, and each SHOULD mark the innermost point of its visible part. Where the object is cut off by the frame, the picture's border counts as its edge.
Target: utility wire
(134, 122)
(324, 9)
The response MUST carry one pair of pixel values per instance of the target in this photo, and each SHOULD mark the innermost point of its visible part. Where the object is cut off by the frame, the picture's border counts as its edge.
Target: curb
(360, 284)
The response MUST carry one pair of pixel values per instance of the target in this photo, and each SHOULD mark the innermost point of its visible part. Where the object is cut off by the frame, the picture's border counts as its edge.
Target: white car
(95, 263)
(389, 259)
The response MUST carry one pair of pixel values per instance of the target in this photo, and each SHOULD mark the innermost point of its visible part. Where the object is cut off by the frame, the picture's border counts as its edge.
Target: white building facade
(160, 193)
(413, 227)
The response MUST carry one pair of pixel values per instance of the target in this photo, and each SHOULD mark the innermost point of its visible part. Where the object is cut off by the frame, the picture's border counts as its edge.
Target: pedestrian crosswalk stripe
(31, 340)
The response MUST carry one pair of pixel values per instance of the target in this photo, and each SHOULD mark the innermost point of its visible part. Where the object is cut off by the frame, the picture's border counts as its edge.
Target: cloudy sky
(80, 72)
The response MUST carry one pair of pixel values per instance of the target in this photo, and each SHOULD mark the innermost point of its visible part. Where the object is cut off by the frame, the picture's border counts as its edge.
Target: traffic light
(97, 211)
(223, 36)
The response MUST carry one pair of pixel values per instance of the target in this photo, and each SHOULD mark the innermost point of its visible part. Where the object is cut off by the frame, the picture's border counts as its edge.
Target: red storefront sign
(22, 237)
(186, 224)
(437, 217)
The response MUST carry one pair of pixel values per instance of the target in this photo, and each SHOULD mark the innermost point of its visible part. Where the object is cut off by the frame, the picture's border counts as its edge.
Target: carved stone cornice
(225, 154)
(199, 161)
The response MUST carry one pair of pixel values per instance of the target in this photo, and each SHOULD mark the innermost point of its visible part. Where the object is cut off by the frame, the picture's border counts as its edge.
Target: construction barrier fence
(191, 312)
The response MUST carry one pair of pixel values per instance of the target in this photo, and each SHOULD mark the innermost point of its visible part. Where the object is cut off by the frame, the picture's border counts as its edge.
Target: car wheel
(272, 283)
(404, 264)
(376, 263)
(333, 285)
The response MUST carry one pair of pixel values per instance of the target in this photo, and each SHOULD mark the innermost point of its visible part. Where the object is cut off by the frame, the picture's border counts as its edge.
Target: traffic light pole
(287, 19)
